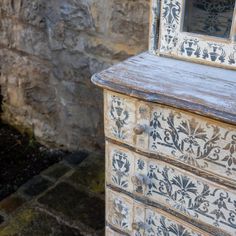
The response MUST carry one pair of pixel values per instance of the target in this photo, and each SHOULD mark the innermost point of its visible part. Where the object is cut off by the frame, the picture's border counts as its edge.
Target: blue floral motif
(192, 197)
(120, 115)
(121, 167)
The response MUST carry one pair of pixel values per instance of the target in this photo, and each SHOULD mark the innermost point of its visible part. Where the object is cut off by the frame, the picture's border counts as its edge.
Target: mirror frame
(168, 39)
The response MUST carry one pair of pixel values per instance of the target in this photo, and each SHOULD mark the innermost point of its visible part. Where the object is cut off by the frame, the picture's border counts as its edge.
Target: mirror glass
(209, 17)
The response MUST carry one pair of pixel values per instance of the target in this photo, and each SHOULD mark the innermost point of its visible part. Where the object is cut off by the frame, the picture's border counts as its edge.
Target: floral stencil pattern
(120, 117)
(171, 16)
(120, 213)
(192, 196)
(193, 141)
(173, 41)
(144, 220)
(161, 226)
(187, 194)
(121, 168)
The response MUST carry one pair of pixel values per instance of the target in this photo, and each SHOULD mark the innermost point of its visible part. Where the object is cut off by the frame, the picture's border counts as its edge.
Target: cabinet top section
(195, 30)
(197, 88)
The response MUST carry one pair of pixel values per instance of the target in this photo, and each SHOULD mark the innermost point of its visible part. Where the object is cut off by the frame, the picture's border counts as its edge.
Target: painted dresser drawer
(182, 137)
(160, 183)
(137, 219)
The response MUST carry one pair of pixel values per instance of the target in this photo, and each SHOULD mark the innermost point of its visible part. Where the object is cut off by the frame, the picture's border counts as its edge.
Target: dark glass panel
(209, 17)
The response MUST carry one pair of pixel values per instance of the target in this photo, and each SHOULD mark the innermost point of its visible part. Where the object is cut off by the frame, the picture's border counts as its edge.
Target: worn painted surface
(172, 166)
(138, 220)
(174, 42)
(199, 142)
(171, 147)
(156, 181)
(197, 88)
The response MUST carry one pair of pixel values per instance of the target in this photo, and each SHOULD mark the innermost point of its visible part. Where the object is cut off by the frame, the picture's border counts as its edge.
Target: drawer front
(190, 195)
(198, 142)
(136, 219)
(120, 117)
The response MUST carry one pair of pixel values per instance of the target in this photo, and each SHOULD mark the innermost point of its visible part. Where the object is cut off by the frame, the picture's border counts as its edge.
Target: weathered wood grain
(197, 141)
(201, 46)
(137, 214)
(207, 175)
(197, 88)
(155, 181)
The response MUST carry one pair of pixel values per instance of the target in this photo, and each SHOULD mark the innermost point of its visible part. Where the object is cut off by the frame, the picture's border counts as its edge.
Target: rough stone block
(1, 220)
(40, 98)
(50, 49)
(76, 158)
(91, 174)
(11, 203)
(28, 11)
(76, 205)
(36, 186)
(56, 171)
(31, 222)
(130, 19)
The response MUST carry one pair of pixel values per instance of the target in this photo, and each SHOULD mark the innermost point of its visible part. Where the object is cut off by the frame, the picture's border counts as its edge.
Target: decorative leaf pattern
(193, 141)
(162, 226)
(184, 137)
(119, 210)
(192, 196)
(120, 168)
(176, 42)
(120, 115)
(147, 221)
(120, 213)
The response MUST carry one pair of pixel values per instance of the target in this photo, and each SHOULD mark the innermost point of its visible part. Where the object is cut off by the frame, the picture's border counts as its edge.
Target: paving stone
(11, 203)
(76, 158)
(76, 205)
(1, 220)
(31, 222)
(56, 171)
(91, 173)
(36, 186)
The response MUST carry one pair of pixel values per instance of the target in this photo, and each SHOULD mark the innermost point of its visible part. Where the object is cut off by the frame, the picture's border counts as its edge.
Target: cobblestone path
(65, 200)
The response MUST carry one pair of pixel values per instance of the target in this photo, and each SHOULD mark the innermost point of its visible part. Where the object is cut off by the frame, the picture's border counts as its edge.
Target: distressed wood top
(197, 88)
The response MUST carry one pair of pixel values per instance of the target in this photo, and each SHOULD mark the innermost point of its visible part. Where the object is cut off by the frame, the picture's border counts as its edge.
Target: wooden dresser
(170, 130)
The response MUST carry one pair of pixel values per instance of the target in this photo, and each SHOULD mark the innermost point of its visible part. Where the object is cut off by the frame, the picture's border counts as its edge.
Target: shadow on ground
(66, 199)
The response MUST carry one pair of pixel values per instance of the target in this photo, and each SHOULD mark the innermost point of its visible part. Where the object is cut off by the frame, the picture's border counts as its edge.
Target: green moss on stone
(91, 173)
(31, 222)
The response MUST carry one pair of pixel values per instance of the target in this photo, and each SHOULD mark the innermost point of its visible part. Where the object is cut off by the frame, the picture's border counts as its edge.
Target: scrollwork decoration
(192, 197)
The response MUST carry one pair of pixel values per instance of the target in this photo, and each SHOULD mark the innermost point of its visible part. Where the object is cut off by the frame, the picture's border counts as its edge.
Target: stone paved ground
(66, 199)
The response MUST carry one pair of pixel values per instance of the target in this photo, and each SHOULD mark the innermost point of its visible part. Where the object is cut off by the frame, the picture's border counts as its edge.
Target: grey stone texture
(67, 206)
(48, 51)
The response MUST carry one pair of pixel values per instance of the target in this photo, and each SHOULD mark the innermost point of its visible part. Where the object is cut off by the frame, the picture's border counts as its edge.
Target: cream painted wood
(119, 117)
(170, 130)
(137, 219)
(188, 194)
(170, 39)
(194, 140)
(197, 141)
(199, 89)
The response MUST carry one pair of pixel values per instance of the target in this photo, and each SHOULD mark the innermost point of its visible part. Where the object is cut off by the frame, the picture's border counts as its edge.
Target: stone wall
(48, 51)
